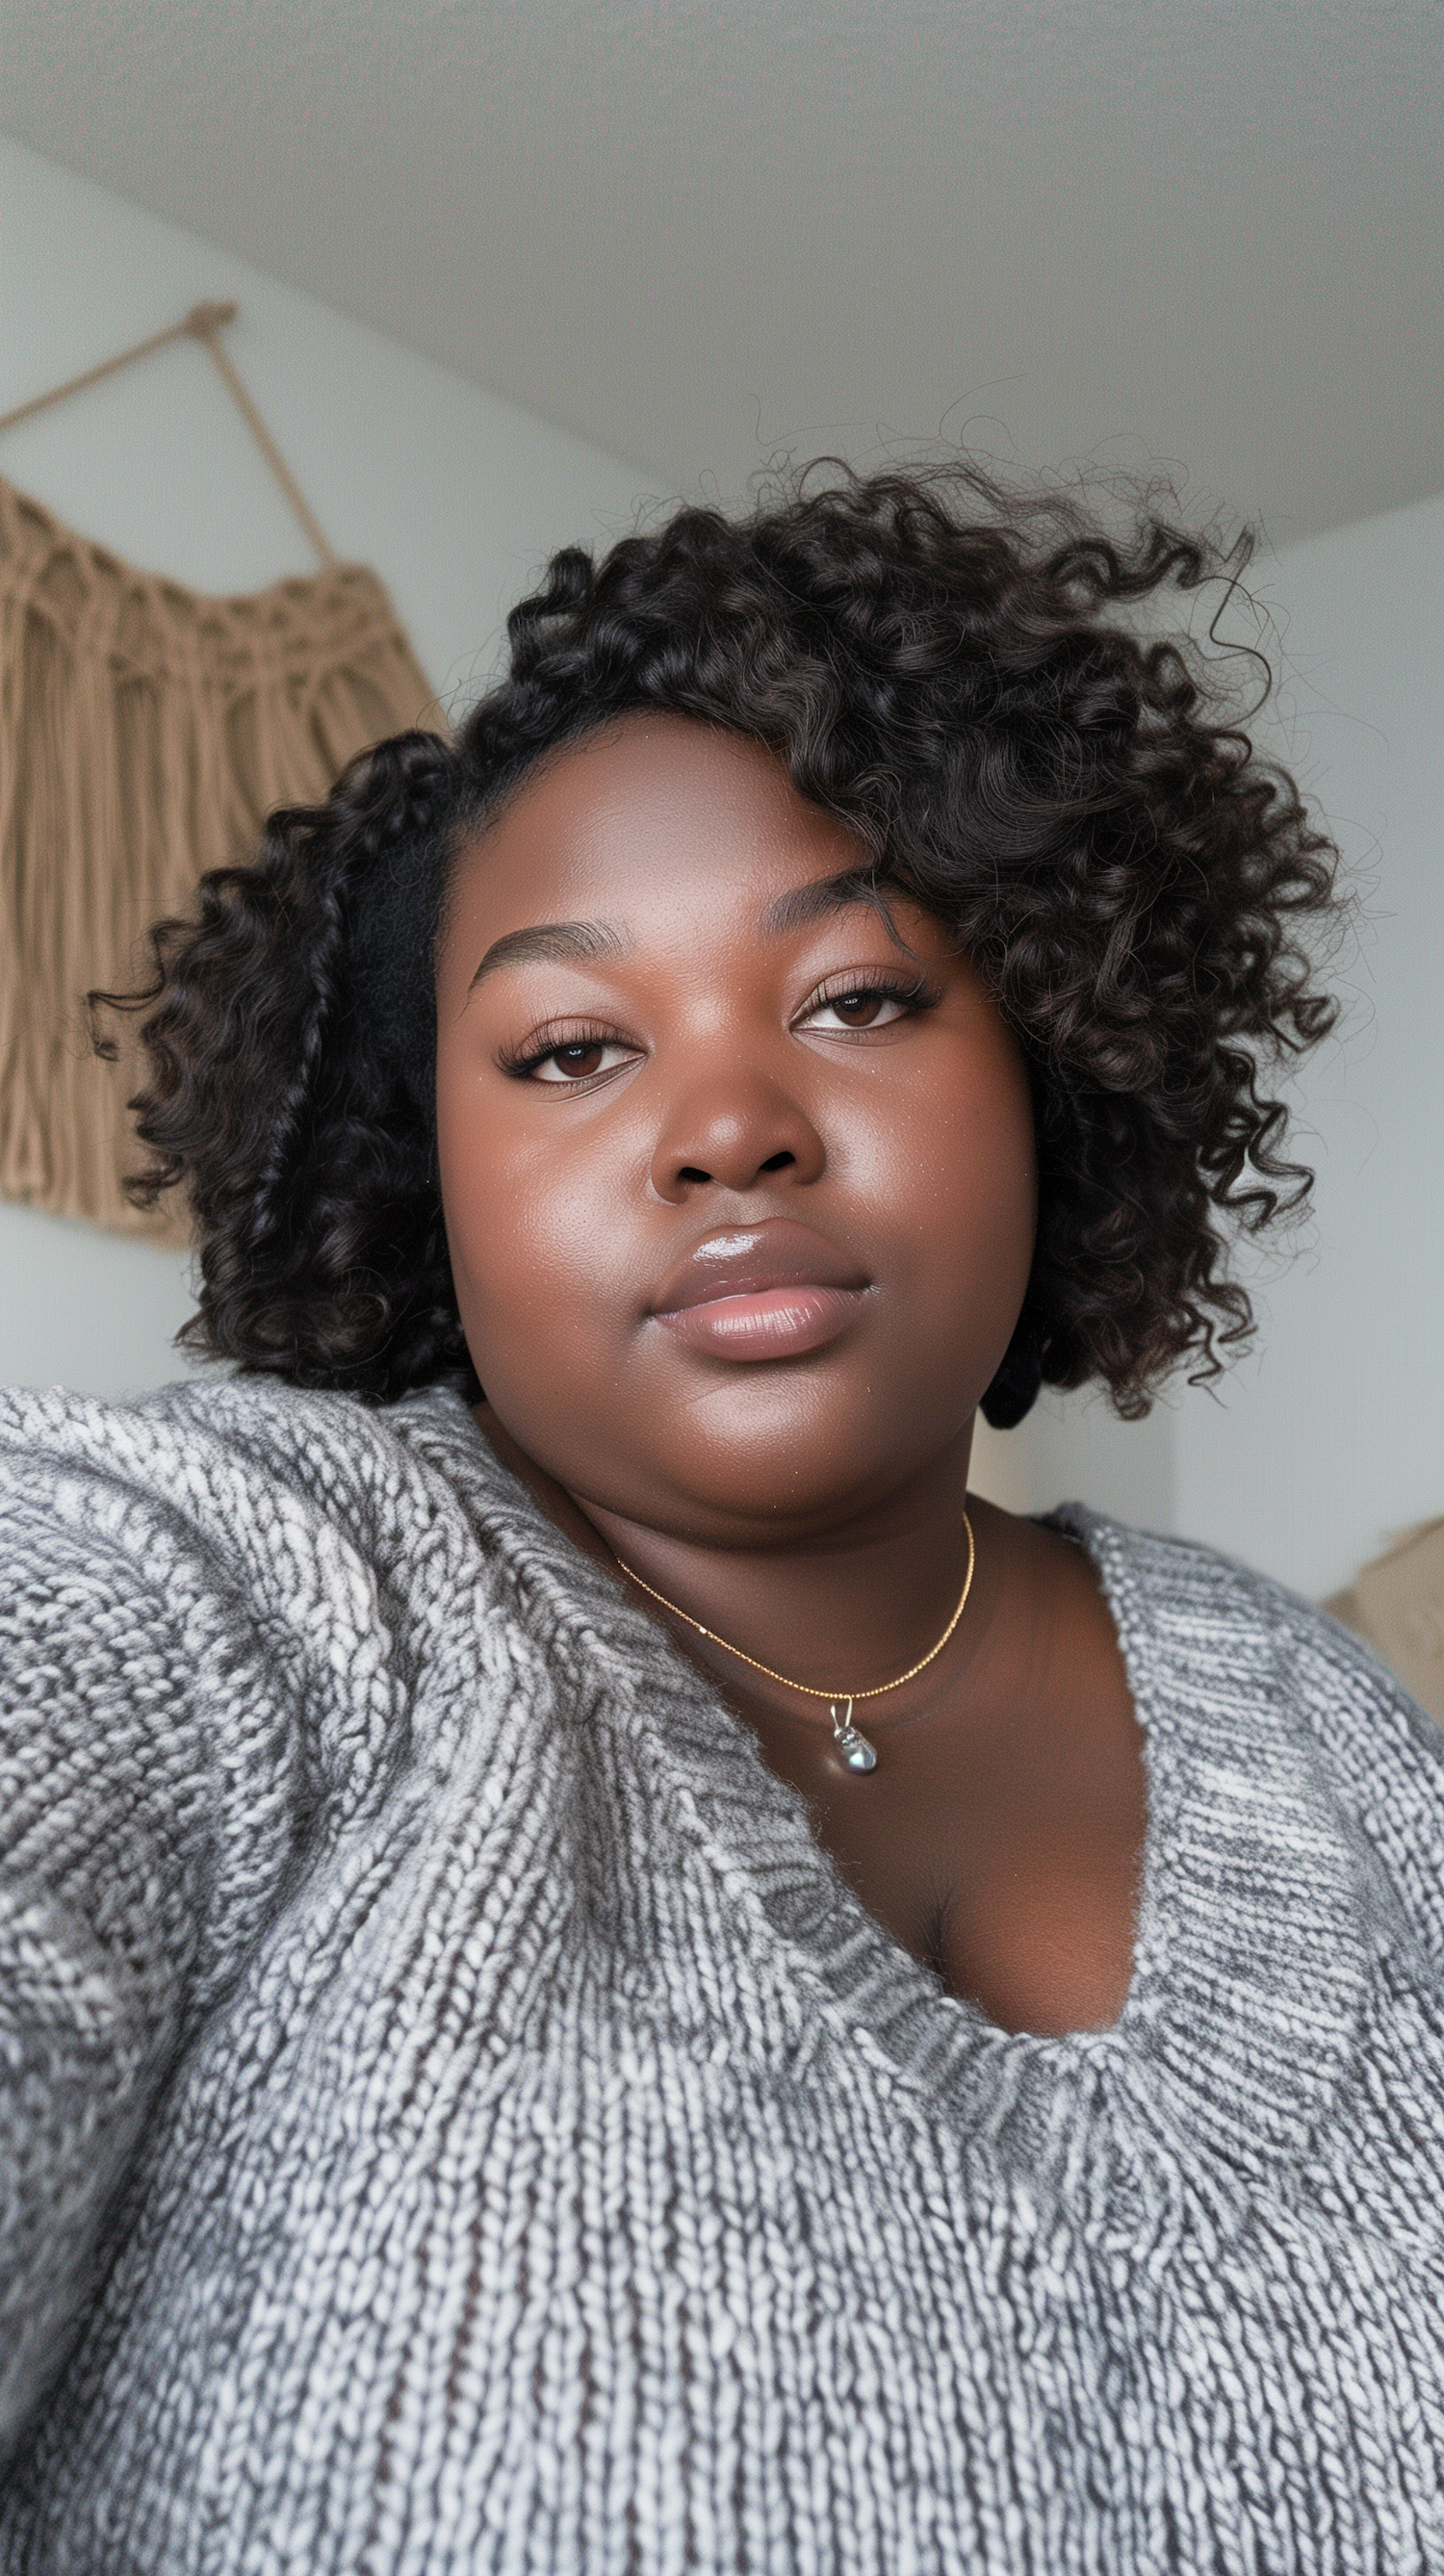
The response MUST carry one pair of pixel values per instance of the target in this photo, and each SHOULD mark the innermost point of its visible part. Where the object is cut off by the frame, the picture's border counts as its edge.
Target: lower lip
(771, 1324)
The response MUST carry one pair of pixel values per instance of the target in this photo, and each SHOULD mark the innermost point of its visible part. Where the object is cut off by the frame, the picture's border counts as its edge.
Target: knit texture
(455, 2118)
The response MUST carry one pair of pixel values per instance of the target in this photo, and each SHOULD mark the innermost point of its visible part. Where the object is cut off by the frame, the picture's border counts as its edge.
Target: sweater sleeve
(146, 1817)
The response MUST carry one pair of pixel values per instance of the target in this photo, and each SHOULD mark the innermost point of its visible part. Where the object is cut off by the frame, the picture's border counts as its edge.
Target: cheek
(951, 1175)
(991, 1199)
(538, 1256)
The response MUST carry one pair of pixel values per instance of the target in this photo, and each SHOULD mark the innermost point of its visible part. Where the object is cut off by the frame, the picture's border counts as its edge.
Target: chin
(750, 1482)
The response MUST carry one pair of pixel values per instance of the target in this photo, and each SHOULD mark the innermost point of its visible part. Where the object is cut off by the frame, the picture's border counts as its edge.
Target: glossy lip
(769, 1291)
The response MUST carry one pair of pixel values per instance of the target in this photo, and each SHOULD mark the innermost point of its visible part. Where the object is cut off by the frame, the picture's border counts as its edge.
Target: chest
(1002, 1847)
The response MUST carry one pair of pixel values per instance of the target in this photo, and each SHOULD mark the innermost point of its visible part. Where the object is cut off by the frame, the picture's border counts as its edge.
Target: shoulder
(1238, 1663)
(1231, 1610)
(298, 1498)
(240, 1572)
(240, 1516)
(247, 1469)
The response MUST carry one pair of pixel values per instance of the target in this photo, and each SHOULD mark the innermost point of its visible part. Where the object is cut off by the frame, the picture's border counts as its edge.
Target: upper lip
(742, 1260)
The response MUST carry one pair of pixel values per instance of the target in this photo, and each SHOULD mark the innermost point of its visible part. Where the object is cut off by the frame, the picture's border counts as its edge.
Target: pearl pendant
(853, 1750)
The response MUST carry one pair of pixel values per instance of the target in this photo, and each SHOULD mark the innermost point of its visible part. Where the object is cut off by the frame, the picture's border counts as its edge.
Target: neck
(849, 1608)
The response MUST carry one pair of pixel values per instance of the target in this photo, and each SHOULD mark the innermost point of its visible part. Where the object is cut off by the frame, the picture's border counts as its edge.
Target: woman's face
(737, 1167)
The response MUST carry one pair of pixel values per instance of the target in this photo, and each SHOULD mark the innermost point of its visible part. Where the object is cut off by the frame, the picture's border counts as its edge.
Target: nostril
(778, 1162)
(690, 1172)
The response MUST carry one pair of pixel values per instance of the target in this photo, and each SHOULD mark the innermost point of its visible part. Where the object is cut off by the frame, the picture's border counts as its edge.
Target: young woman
(601, 1971)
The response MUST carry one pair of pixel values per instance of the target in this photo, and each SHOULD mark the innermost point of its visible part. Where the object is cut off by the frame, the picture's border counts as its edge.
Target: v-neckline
(1250, 1956)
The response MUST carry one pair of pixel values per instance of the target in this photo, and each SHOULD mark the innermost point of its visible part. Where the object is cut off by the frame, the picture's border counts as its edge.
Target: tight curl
(949, 668)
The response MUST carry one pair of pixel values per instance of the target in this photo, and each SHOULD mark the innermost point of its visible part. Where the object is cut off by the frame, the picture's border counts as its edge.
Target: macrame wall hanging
(145, 732)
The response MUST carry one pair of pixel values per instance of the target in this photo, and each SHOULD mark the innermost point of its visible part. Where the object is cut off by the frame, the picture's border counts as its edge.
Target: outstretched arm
(142, 1838)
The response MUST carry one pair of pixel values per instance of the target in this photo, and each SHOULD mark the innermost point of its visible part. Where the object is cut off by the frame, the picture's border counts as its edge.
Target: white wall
(1073, 1448)
(1333, 1435)
(451, 496)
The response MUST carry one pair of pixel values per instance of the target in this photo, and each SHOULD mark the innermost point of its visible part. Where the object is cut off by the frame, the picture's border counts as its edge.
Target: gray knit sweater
(454, 2118)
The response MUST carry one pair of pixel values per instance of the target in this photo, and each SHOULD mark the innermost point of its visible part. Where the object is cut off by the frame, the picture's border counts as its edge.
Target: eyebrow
(573, 942)
(550, 943)
(802, 905)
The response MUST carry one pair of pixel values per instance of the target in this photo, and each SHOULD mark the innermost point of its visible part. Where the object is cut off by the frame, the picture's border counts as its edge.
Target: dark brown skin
(793, 1471)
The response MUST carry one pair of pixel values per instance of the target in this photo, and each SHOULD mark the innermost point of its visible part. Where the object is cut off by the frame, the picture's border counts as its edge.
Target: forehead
(658, 809)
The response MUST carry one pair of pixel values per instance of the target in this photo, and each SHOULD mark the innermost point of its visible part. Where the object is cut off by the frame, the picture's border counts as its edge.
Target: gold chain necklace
(855, 1750)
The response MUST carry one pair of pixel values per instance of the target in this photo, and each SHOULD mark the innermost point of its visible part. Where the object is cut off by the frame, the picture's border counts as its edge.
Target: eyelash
(915, 997)
(579, 1033)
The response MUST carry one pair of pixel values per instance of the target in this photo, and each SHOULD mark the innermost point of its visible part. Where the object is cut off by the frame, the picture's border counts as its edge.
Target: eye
(858, 1005)
(570, 1060)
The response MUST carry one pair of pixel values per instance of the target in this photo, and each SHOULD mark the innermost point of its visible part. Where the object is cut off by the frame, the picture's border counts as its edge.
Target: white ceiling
(1202, 231)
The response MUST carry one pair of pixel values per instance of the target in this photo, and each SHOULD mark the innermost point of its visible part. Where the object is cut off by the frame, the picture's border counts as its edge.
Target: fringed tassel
(145, 733)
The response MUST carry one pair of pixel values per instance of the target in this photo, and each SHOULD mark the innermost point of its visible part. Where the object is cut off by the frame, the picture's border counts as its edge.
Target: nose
(731, 1131)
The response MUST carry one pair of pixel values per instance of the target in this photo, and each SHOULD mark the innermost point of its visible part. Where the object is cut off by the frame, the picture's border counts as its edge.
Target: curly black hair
(951, 669)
